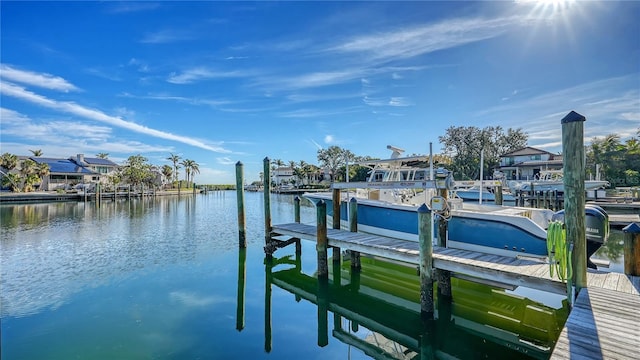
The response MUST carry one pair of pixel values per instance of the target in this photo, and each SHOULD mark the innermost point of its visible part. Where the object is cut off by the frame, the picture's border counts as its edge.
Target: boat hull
(507, 232)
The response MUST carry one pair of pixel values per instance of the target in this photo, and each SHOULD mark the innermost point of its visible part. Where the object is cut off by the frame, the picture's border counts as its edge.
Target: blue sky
(222, 82)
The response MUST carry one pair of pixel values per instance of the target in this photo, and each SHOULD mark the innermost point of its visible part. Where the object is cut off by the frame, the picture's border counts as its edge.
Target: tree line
(618, 162)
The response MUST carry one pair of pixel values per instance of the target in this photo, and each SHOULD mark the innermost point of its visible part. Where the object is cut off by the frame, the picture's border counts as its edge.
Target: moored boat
(388, 207)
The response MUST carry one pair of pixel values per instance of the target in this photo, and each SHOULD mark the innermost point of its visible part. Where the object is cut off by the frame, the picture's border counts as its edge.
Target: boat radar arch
(396, 151)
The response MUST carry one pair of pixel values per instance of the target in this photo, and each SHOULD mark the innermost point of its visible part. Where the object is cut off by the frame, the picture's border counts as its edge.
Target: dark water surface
(163, 279)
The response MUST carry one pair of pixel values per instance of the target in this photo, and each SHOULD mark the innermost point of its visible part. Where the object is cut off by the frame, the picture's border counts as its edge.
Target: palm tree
(36, 153)
(9, 161)
(12, 180)
(28, 174)
(167, 171)
(190, 167)
(42, 170)
(102, 155)
(175, 159)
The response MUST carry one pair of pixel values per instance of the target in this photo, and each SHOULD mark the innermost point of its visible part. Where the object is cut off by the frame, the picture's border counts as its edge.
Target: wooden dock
(603, 323)
(528, 272)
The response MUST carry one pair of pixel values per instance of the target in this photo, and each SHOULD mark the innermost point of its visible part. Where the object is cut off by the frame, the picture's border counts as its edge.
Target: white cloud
(203, 73)
(328, 139)
(422, 39)
(166, 36)
(42, 80)
(15, 91)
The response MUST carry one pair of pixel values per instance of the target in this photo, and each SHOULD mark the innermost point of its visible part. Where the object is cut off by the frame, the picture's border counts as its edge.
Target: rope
(559, 251)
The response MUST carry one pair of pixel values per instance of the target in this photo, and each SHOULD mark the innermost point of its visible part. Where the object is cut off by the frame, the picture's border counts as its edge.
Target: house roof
(62, 166)
(99, 161)
(526, 151)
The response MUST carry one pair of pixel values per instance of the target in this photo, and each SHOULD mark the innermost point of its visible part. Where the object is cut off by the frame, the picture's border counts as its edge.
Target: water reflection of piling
(242, 275)
(268, 266)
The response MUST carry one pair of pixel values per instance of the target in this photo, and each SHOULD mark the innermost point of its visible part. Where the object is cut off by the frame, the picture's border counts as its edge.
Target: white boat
(551, 180)
(387, 205)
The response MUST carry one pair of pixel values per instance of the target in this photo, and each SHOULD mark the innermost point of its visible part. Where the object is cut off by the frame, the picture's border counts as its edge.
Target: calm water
(163, 279)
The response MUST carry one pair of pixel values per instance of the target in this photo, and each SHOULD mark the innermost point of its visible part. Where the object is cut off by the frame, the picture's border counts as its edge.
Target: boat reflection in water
(377, 310)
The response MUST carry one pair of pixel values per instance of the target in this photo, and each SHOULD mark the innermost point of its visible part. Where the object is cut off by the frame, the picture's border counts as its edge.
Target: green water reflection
(377, 310)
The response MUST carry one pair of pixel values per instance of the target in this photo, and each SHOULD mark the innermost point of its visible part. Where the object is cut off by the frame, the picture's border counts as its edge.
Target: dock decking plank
(596, 328)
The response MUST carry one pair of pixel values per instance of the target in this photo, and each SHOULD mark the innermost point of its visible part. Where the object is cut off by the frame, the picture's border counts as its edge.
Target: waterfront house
(526, 163)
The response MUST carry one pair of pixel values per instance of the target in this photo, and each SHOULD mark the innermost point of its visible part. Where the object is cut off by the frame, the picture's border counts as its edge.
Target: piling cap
(423, 208)
(572, 117)
(632, 228)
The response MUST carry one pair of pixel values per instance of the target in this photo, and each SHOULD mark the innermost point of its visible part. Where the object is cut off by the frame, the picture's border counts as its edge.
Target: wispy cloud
(387, 101)
(166, 36)
(42, 80)
(225, 161)
(203, 73)
(183, 99)
(612, 103)
(131, 7)
(422, 39)
(55, 137)
(15, 91)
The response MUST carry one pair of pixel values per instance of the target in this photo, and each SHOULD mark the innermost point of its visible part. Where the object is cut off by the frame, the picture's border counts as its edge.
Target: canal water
(163, 278)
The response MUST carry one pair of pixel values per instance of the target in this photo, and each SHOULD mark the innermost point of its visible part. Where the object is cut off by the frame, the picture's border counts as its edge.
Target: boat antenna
(396, 151)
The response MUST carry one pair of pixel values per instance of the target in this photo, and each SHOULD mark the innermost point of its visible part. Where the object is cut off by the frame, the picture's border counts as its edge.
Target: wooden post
(574, 177)
(632, 249)
(498, 195)
(296, 209)
(242, 229)
(98, 194)
(444, 276)
(353, 227)
(426, 262)
(267, 200)
(242, 275)
(336, 208)
(321, 244)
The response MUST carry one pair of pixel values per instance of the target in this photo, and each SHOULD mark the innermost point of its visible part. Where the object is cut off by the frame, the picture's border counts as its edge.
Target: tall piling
(574, 194)
(242, 229)
(632, 249)
(335, 254)
(353, 227)
(267, 199)
(426, 262)
(321, 243)
(296, 209)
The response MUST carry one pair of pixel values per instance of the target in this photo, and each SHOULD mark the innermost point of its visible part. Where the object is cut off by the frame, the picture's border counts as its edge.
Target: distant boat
(551, 180)
(388, 207)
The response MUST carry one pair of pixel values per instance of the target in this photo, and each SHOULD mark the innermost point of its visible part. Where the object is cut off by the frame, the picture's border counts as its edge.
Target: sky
(227, 82)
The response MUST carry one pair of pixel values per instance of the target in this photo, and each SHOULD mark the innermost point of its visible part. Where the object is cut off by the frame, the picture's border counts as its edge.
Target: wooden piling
(574, 194)
(322, 242)
(426, 261)
(296, 209)
(242, 229)
(498, 195)
(98, 194)
(353, 227)
(267, 199)
(632, 249)
(336, 208)
(444, 276)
